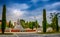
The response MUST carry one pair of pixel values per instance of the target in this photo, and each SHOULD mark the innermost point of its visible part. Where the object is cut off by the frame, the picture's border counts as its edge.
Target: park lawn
(6, 34)
(48, 33)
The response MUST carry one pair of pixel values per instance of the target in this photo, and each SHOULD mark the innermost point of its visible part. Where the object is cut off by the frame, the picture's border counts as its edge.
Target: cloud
(35, 1)
(54, 6)
(44, 0)
(14, 14)
(16, 11)
(1, 12)
(50, 8)
(48, 14)
(19, 6)
(35, 15)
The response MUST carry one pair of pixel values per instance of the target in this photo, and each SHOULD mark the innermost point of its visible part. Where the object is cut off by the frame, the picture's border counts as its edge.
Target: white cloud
(24, 6)
(20, 6)
(32, 18)
(39, 17)
(38, 12)
(53, 11)
(48, 14)
(16, 11)
(35, 1)
(56, 4)
(52, 6)
(14, 14)
(44, 0)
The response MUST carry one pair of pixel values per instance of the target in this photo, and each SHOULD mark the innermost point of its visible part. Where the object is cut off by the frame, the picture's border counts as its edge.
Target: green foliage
(33, 24)
(54, 23)
(48, 25)
(0, 26)
(9, 24)
(22, 22)
(44, 20)
(36, 24)
(57, 27)
(26, 25)
(30, 24)
(3, 19)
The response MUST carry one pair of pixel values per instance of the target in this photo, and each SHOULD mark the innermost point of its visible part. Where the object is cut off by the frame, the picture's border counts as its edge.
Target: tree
(36, 24)
(27, 24)
(57, 27)
(44, 20)
(22, 22)
(54, 23)
(31, 25)
(3, 19)
(9, 24)
(48, 25)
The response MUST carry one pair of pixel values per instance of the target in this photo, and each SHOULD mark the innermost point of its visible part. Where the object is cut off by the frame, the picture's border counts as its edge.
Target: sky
(29, 10)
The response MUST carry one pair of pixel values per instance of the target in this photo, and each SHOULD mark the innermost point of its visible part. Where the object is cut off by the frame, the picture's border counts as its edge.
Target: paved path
(31, 35)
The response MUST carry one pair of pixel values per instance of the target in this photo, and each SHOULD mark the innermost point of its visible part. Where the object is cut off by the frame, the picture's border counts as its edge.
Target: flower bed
(30, 30)
(15, 30)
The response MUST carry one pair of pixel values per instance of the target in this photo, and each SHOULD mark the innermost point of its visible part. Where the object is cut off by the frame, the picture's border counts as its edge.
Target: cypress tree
(3, 19)
(44, 20)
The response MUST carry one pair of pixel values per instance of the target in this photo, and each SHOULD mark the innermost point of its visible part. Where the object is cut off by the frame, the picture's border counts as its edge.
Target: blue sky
(28, 9)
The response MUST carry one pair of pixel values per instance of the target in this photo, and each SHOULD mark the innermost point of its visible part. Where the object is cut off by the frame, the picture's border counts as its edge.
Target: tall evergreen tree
(3, 19)
(44, 20)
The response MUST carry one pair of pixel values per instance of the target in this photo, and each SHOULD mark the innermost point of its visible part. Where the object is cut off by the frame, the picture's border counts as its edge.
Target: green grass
(6, 34)
(48, 33)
